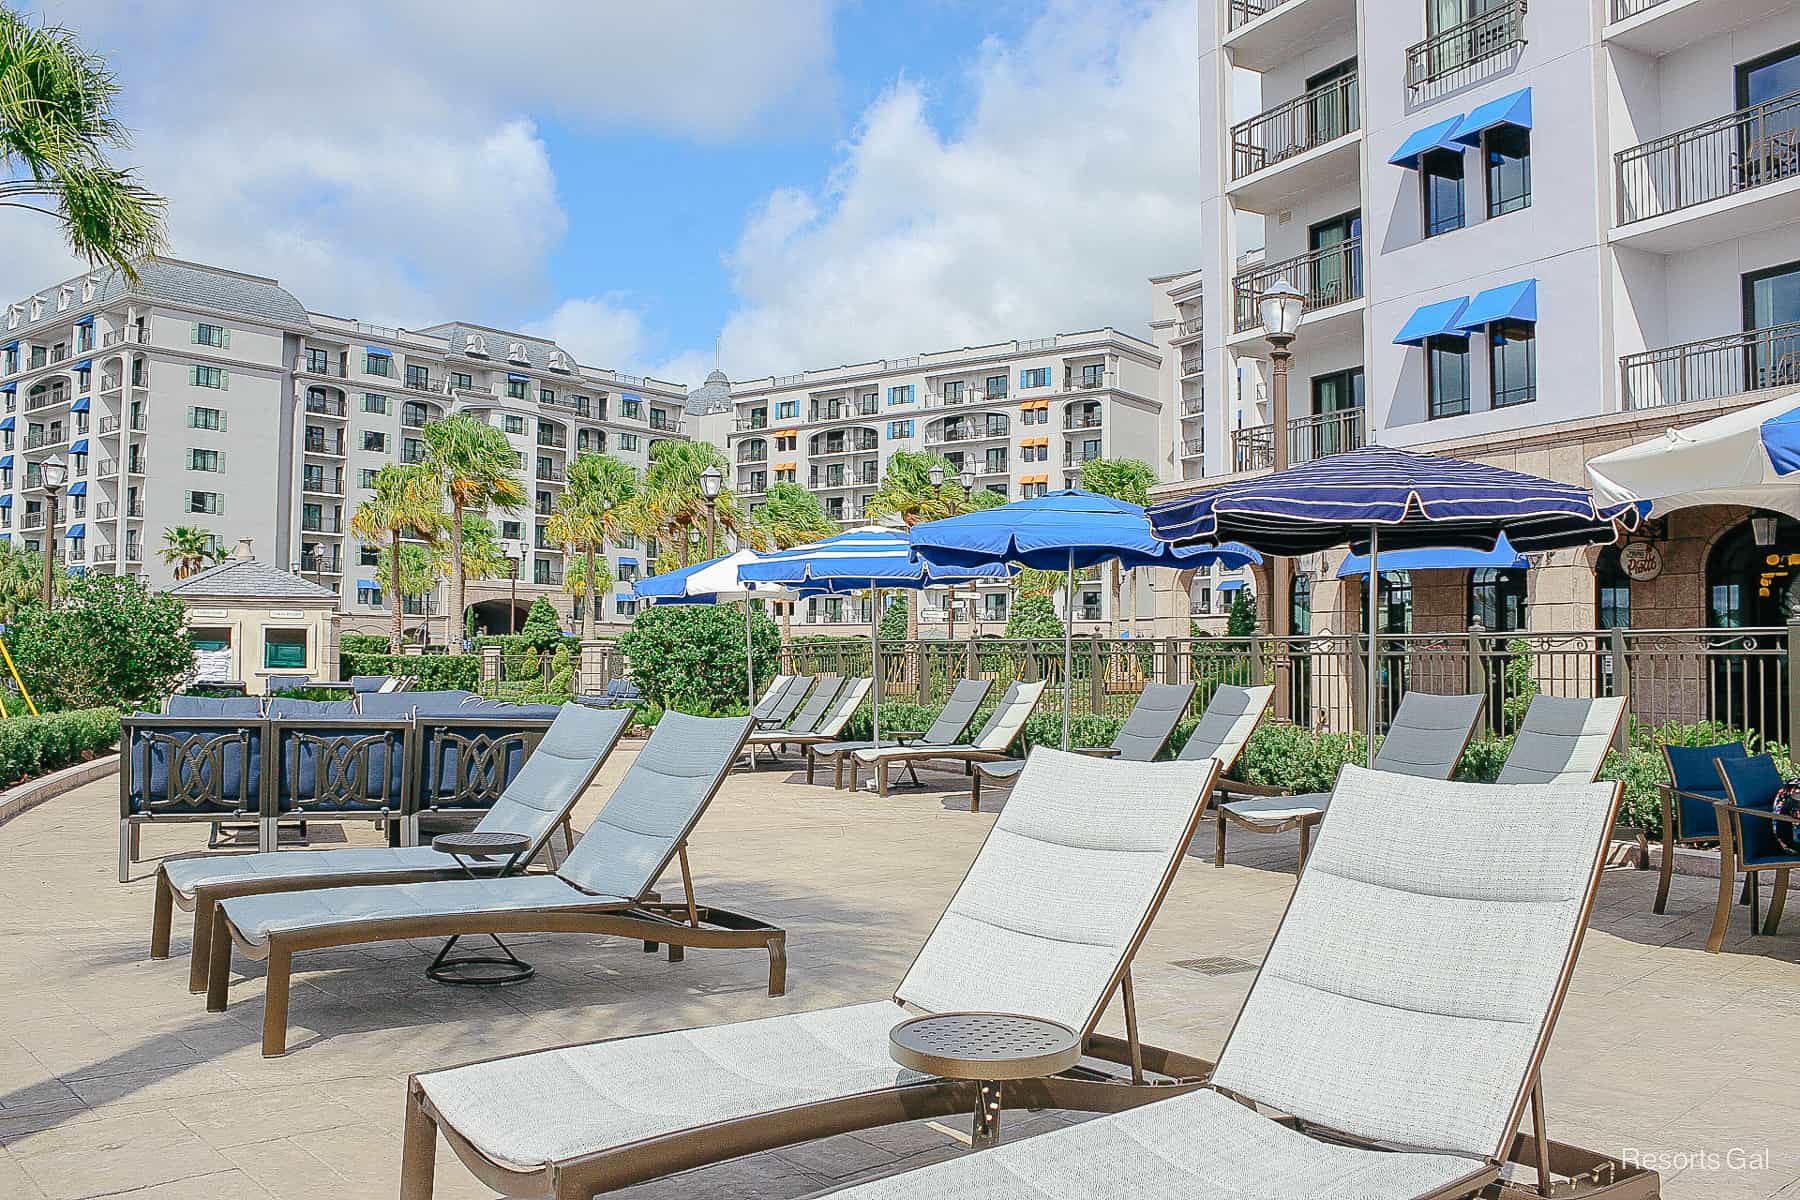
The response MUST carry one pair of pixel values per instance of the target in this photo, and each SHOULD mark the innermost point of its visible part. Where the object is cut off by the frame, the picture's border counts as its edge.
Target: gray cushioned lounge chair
(782, 707)
(829, 727)
(534, 803)
(1563, 741)
(991, 741)
(1140, 739)
(603, 887)
(805, 719)
(1398, 1021)
(1046, 923)
(773, 692)
(953, 721)
(1426, 740)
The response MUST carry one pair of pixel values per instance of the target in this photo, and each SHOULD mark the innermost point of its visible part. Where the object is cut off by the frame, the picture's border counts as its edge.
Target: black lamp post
(53, 473)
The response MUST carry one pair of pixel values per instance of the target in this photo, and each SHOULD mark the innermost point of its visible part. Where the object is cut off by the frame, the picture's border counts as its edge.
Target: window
(953, 392)
(1512, 362)
(368, 596)
(632, 407)
(203, 460)
(209, 377)
(1497, 598)
(515, 389)
(1029, 490)
(375, 441)
(84, 379)
(1508, 152)
(283, 650)
(365, 478)
(412, 450)
(513, 423)
(368, 556)
(785, 410)
(377, 364)
(373, 403)
(1036, 377)
(1035, 416)
(1093, 375)
(1090, 450)
(418, 376)
(206, 418)
(1771, 298)
(787, 441)
(210, 638)
(1441, 174)
(996, 387)
(995, 463)
(1030, 453)
(463, 380)
(318, 361)
(993, 606)
(546, 395)
(626, 606)
(1447, 376)
(216, 336)
(997, 425)
(628, 441)
(785, 474)
(203, 502)
(902, 394)
(900, 429)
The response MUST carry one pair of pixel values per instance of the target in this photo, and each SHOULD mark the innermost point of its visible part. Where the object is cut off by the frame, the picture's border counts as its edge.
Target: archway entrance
(1751, 586)
(490, 615)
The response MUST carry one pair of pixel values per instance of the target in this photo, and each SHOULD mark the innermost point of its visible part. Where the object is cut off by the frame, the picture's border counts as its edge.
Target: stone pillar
(596, 668)
(490, 664)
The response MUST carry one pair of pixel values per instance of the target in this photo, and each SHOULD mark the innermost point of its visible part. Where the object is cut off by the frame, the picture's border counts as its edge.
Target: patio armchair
(603, 887)
(1046, 923)
(782, 706)
(953, 721)
(829, 726)
(1426, 739)
(1392, 1040)
(1689, 817)
(465, 756)
(1748, 843)
(991, 741)
(1140, 739)
(536, 802)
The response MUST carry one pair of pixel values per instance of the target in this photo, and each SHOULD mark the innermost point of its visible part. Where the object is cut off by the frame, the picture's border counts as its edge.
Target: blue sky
(809, 181)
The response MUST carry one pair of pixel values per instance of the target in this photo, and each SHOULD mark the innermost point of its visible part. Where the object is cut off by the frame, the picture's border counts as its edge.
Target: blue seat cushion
(1695, 769)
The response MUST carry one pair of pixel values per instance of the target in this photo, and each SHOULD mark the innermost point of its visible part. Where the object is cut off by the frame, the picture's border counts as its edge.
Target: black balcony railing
(1309, 438)
(325, 406)
(1712, 369)
(1621, 9)
(1325, 277)
(1461, 47)
(1743, 150)
(1245, 11)
(1304, 123)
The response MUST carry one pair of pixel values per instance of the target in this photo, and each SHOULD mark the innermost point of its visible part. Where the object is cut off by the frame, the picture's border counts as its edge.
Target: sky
(793, 184)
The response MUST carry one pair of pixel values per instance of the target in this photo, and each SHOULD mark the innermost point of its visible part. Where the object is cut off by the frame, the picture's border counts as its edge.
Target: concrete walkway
(114, 1079)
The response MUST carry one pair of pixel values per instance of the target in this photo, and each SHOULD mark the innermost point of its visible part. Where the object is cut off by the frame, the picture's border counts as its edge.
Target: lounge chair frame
(204, 902)
(1083, 1088)
(1674, 835)
(916, 754)
(841, 756)
(1731, 862)
(652, 921)
(854, 691)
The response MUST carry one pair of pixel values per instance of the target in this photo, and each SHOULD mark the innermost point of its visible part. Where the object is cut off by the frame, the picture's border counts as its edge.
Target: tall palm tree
(791, 516)
(575, 582)
(419, 571)
(189, 549)
(906, 492)
(407, 500)
(587, 516)
(56, 127)
(671, 502)
(478, 468)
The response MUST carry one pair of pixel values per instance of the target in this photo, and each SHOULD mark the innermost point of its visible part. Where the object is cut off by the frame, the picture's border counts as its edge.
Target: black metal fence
(1713, 368)
(1304, 123)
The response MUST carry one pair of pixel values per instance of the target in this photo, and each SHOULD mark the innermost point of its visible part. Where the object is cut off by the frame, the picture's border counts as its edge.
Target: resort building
(206, 397)
(1526, 234)
(1021, 416)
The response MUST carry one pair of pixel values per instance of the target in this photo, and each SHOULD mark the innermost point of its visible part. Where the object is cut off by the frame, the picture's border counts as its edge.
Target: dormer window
(559, 361)
(87, 288)
(64, 298)
(475, 344)
(37, 307)
(515, 352)
(13, 315)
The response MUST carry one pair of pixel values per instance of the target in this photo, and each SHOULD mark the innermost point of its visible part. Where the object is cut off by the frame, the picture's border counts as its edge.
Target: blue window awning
(1437, 558)
(86, 364)
(1433, 137)
(9, 387)
(6, 463)
(1232, 585)
(6, 501)
(8, 422)
(12, 345)
(369, 584)
(625, 560)
(78, 489)
(1513, 302)
(80, 446)
(1514, 109)
(379, 351)
(87, 320)
(632, 396)
(77, 531)
(82, 404)
(1433, 320)
(515, 377)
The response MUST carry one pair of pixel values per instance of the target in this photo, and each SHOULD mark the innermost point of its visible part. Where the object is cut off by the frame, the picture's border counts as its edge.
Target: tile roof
(183, 284)
(246, 578)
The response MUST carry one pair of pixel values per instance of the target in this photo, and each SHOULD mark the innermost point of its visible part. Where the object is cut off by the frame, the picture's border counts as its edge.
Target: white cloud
(602, 330)
(1075, 177)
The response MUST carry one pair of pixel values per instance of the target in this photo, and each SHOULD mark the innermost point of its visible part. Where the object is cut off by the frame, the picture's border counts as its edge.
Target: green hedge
(33, 745)
(435, 672)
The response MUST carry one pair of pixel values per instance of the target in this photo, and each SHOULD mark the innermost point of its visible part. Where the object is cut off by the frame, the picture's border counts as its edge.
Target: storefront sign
(1641, 561)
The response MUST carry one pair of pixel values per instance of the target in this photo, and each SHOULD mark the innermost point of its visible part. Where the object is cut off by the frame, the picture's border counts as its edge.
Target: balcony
(321, 524)
(1186, 330)
(1734, 176)
(1327, 277)
(107, 510)
(314, 485)
(963, 433)
(1193, 406)
(111, 425)
(54, 398)
(325, 406)
(1657, 27)
(1309, 438)
(416, 381)
(554, 439)
(1296, 148)
(1266, 33)
(318, 366)
(1075, 456)
(832, 446)
(322, 564)
(1714, 369)
(753, 456)
(1463, 53)
(1193, 368)
(56, 436)
(1087, 381)
(1083, 420)
(330, 447)
(550, 473)
(743, 424)
(135, 337)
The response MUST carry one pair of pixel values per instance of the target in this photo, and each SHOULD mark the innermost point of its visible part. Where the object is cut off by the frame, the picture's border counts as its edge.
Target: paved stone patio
(113, 1079)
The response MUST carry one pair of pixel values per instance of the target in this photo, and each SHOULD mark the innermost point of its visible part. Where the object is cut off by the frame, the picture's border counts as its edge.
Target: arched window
(1497, 598)
(1301, 613)
(1612, 591)
(1395, 603)
(1748, 585)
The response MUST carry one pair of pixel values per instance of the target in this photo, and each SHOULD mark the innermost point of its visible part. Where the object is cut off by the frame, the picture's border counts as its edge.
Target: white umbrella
(716, 580)
(1749, 457)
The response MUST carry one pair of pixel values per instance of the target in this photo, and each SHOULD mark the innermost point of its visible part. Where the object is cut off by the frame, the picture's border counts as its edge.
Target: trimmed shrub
(1033, 616)
(690, 657)
(435, 672)
(108, 641)
(542, 630)
(33, 745)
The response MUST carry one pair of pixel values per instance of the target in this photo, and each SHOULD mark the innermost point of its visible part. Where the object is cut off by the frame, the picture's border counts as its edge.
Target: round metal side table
(988, 1048)
(472, 970)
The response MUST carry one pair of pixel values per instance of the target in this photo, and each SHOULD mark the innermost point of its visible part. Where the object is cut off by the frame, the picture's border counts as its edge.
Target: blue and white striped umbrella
(871, 558)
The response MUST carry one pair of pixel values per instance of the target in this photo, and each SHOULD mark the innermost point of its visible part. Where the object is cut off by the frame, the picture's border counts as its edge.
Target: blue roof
(1438, 558)
(1432, 137)
(379, 351)
(1061, 530)
(1513, 109)
(77, 530)
(1513, 302)
(80, 446)
(1431, 320)
(82, 404)
(78, 488)
(1231, 585)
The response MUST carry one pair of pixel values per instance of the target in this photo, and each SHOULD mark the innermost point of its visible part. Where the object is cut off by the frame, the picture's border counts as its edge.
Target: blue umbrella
(871, 557)
(1063, 531)
(1380, 496)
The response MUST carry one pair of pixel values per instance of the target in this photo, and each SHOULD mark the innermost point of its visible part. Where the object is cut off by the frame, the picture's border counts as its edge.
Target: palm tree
(419, 571)
(477, 467)
(587, 516)
(407, 500)
(791, 516)
(189, 549)
(22, 579)
(575, 582)
(907, 492)
(671, 502)
(56, 127)
(1127, 479)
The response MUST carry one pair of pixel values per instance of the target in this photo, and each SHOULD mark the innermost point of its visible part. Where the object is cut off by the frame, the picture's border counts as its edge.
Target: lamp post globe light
(710, 481)
(967, 479)
(52, 473)
(1281, 307)
(936, 475)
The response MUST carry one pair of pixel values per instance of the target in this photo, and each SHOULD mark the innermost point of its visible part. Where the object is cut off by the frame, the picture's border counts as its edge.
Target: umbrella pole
(749, 659)
(1374, 596)
(875, 659)
(1068, 645)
